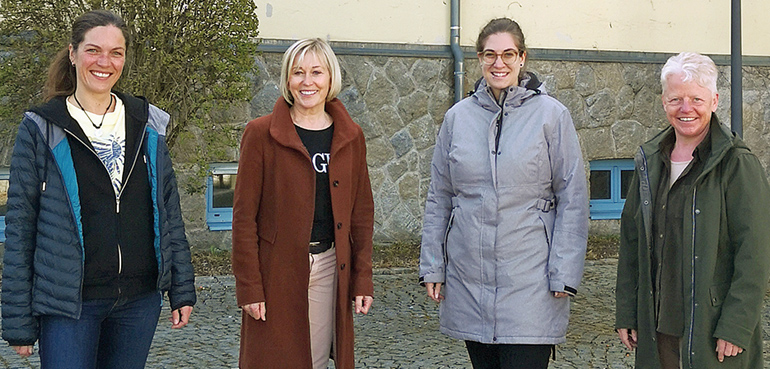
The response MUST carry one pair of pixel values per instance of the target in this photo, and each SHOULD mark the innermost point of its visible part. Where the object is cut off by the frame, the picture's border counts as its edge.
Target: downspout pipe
(457, 52)
(736, 70)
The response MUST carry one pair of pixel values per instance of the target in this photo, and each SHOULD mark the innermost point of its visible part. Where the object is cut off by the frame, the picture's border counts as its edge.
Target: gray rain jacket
(505, 228)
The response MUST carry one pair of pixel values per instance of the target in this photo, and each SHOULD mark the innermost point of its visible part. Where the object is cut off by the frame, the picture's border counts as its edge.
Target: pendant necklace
(89, 117)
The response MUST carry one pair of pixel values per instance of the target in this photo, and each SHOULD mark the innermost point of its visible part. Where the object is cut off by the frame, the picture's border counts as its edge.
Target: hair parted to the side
(62, 80)
(504, 25)
(694, 67)
(296, 53)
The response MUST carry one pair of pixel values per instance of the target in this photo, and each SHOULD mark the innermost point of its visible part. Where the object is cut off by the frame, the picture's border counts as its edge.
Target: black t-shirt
(319, 144)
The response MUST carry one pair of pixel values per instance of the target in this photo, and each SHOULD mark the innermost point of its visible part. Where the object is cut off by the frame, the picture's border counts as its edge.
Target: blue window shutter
(602, 206)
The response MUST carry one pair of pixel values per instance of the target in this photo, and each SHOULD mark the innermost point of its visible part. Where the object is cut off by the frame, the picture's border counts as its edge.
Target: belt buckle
(315, 243)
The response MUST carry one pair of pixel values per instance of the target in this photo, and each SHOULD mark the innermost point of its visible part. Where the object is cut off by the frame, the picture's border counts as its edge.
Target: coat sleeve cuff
(21, 343)
(432, 278)
(570, 291)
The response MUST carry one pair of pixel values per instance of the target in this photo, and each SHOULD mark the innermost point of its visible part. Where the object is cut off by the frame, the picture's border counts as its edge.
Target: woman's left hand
(560, 294)
(363, 303)
(180, 317)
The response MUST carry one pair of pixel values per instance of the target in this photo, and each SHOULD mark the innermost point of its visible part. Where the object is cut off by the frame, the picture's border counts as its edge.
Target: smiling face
(688, 107)
(309, 82)
(99, 59)
(500, 75)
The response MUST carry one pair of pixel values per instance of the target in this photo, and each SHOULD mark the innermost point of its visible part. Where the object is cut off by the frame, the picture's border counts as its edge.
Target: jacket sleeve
(20, 327)
(628, 261)
(438, 209)
(248, 191)
(362, 228)
(747, 198)
(182, 291)
(570, 230)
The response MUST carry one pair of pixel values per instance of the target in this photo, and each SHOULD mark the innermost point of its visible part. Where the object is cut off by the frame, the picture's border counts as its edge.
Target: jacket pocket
(717, 293)
(267, 234)
(547, 216)
(446, 232)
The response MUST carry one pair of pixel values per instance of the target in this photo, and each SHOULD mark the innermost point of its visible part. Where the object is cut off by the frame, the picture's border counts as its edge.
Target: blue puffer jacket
(44, 252)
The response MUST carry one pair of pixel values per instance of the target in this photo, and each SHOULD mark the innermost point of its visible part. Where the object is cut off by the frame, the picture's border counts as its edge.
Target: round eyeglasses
(489, 57)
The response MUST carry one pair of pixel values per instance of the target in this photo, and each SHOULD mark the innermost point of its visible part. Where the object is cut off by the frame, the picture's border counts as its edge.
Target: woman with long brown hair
(94, 228)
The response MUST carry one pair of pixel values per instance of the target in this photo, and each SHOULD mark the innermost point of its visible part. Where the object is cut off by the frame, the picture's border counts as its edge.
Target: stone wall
(400, 102)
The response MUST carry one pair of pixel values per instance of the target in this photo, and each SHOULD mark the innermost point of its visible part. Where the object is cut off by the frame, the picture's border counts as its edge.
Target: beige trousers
(321, 294)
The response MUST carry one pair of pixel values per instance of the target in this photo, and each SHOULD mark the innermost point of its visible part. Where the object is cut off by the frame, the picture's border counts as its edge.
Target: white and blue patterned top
(109, 141)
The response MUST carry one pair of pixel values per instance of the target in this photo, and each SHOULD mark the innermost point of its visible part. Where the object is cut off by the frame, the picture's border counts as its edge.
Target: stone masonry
(400, 102)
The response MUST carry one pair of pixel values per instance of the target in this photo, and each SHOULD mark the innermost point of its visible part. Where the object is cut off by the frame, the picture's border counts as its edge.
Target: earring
(521, 65)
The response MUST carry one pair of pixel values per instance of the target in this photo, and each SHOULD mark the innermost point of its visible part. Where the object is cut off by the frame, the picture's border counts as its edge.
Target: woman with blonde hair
(303, 217)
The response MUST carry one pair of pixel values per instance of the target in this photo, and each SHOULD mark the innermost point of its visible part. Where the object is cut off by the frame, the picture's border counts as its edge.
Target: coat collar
(515, 95)
(283, 131)
(722, 140)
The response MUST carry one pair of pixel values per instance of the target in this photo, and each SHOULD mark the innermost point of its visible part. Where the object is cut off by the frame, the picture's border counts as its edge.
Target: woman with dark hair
(303, 217)
(506, 217)
(94, 228)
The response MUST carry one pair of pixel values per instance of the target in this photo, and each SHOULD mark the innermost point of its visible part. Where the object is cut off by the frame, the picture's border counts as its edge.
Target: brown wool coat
(272, 220)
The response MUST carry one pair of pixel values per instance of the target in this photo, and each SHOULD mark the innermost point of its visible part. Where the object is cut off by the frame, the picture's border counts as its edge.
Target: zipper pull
(117, 205)
(144, 157)
(44, 182)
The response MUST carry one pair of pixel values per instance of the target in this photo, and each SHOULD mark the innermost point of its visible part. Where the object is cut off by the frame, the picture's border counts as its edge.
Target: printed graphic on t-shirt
(320, 162)
(110, 151)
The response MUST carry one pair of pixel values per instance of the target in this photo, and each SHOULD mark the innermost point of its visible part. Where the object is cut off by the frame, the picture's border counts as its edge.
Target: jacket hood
(529, 87)
(55, 110)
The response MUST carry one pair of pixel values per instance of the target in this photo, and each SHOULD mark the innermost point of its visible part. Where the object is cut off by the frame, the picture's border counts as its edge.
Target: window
(5, 173)
(609, 180)
(220, 187)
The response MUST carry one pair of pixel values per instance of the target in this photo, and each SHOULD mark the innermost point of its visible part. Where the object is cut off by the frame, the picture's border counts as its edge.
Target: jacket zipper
(120, 193)
(692, 282)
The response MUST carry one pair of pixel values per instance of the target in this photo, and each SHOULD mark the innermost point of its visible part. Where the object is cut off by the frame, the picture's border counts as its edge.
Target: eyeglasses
(489, 57)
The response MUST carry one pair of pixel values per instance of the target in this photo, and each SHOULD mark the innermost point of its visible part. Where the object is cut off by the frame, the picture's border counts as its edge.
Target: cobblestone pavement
(401, 330)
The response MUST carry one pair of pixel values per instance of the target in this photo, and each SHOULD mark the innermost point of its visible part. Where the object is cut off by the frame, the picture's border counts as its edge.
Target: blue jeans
(111, 333)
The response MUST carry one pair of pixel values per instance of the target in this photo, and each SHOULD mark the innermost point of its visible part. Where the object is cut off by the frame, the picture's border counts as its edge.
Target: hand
(559, 295)
(180, 317)
(255, 310)
(725, 348)
(434, 291)
(628, 340)
(24, 351)
(363, 303)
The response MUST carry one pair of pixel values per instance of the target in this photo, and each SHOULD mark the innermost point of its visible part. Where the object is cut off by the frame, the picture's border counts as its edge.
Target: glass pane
(625, 182)
(223, 188)
(3, 197)
(600, 184)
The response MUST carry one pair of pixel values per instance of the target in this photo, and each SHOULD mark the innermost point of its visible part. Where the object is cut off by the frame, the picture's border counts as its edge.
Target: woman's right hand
(628, 337)
(24, 351)
(434, 291)
(255, 310)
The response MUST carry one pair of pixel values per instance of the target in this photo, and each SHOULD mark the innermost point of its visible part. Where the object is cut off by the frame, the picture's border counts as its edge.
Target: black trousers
(502, 356)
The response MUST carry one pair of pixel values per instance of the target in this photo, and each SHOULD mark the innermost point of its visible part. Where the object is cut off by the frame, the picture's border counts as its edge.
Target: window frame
(602, 209)
(5, 175)
(219, 218)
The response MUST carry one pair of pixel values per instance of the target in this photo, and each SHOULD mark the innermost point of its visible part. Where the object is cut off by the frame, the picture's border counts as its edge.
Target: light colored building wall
(647, 26)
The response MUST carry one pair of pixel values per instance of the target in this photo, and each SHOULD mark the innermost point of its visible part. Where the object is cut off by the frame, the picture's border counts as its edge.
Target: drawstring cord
(45, 160)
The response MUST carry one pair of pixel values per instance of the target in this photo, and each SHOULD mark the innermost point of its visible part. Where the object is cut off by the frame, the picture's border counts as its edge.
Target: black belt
(318, 247)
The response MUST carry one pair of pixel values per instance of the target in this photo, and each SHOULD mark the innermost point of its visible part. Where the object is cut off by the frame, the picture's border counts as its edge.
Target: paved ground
(401, 331)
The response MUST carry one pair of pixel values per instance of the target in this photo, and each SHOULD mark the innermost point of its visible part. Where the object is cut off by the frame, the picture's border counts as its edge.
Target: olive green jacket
(726, 255)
